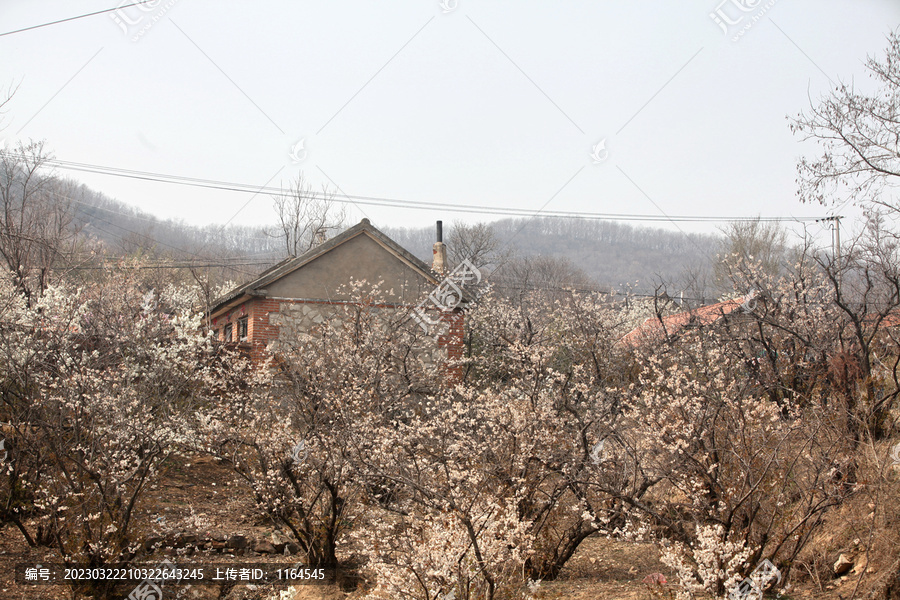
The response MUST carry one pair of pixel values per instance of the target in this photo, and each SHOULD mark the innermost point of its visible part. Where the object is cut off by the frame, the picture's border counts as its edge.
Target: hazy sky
(648, 108)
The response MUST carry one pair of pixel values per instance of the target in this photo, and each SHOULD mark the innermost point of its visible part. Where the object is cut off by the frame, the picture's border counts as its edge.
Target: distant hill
(125, 229)
(610, 254)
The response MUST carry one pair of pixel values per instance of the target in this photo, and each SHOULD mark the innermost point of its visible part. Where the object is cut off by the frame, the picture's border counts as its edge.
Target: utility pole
(835, 235)
(835, 243)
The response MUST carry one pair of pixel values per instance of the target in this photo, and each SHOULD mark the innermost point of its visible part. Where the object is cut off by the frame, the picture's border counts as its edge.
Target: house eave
(227, 305)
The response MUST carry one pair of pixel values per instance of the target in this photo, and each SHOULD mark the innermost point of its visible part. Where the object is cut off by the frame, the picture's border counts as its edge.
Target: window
(228, 336)
(242, 329)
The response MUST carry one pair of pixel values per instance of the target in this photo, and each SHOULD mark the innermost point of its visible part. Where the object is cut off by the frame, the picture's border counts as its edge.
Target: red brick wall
(260, 332)
(453, 342)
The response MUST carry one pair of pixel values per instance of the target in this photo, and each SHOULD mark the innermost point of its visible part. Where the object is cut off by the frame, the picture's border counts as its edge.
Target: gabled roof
(291, 264)
(655, 329)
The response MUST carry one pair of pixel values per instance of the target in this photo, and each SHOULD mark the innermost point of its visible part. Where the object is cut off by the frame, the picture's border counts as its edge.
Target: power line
(131, 231)
(94, 206)
(398, 203)
(161, 222)
(573, 288)
(175, 266)
(67, 19)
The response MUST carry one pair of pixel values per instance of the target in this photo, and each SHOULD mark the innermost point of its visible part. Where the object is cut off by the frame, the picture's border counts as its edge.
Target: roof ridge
(290, 264)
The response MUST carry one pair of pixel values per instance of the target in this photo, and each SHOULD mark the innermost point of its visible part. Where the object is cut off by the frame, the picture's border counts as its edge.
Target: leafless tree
(36, 217)
(865, 284)
(5, 97)
(553, 273)
(476, 243)
(860, 162)
(305, 214)
(860, 137)
(763, 243)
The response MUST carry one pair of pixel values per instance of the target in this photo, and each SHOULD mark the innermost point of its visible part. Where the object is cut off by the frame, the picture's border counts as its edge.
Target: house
(657, 329)
(300, 292)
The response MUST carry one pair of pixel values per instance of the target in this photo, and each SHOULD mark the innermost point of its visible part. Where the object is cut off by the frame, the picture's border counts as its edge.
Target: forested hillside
(126, 229)
(610, 254)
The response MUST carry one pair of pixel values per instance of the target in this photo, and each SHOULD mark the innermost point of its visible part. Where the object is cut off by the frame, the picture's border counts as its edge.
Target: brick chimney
(439, 263)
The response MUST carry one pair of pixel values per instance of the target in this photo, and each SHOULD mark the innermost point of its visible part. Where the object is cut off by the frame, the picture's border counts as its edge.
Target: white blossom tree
(99, 388)
(297, 431)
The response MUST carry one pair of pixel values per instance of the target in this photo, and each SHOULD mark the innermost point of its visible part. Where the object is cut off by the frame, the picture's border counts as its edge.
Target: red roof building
(655, 330)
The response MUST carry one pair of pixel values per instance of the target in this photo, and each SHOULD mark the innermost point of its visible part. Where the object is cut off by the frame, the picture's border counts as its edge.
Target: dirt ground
(201, 496)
